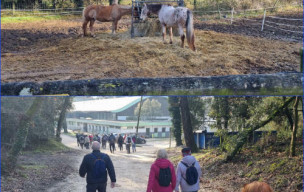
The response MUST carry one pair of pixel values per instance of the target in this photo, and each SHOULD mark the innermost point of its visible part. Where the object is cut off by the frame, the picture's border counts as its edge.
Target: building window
(164, 129)
(155, 130)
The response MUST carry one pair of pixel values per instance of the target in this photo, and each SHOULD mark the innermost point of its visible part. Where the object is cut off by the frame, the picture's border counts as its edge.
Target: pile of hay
(150, 28)
(120, 56)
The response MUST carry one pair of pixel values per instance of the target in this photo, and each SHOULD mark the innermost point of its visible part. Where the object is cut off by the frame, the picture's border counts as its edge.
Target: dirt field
(54, 50)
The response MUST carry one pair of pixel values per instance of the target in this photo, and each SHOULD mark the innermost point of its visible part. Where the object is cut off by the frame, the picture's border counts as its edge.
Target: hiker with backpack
(77, 137)
(112, 142)
(128, 144)
(95, 166)
(96, 138)
(104, 140)
(81, 140)
(86, 141)
(120, 142)
(162, 175)
(134, 143)
(188, 173)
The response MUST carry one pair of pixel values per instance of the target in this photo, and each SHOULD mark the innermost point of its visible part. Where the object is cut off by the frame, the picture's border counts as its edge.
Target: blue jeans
(100, 187)
(133, 147)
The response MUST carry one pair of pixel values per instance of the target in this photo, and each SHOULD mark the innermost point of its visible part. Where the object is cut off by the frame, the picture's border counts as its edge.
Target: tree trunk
(22, 133)
(176, 119)
(195, 4)
(140, 104)
(295, 128)
(65, 127)
(62, 116)
(187, 127)
(242, 137)
(289, 116)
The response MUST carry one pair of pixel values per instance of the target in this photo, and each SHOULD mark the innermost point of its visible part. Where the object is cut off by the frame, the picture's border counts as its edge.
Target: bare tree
(22, 133)
(66, 105)
(295, 128)
(187, 126)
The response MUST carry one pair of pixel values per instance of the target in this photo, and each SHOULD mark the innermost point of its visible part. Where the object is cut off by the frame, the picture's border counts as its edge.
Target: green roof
(122, 123)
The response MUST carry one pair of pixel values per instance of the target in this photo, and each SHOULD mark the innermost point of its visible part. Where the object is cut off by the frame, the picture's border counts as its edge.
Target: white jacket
(181, 174)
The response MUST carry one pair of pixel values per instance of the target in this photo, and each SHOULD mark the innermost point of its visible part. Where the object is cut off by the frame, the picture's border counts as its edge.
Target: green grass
(50, 146)
(22, 19)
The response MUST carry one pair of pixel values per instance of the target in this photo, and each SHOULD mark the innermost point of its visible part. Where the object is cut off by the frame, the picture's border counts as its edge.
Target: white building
(116, 115)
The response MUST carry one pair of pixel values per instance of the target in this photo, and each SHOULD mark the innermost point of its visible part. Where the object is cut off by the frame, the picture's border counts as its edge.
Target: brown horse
(257, 187)
(103, 14)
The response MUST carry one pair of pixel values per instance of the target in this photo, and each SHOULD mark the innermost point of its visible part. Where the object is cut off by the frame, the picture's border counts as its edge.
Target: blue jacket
(87, 165)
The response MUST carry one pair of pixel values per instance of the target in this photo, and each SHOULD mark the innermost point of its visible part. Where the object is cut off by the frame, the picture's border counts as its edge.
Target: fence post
(132, 22)
(220, 15)
(13, 7)
(231, 15)
(263, 20)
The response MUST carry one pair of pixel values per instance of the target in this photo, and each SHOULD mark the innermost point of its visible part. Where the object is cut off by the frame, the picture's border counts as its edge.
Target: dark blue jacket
(87, 165)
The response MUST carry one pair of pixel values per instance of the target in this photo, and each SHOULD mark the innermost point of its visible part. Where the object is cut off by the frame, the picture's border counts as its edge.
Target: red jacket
(153, 177)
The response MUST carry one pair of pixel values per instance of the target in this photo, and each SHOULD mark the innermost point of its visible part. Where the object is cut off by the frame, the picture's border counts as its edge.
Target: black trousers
(100, 187)
(112, 147)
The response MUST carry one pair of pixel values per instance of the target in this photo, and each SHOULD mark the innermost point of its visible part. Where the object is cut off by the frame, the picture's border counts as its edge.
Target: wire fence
(263, 17)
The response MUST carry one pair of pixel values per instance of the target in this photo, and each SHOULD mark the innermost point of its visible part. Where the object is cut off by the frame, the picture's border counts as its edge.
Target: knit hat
(186, 151)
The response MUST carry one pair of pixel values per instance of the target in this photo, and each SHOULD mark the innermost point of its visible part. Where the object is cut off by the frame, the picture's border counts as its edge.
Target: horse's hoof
(93, 36)
(171, 42)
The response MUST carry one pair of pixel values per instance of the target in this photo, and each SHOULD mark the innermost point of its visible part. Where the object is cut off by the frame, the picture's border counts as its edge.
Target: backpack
(191, 174)
(104, 138)
(164, 177)
(99, 169)
(134, 139)
(129, 140)
(81, 139)
(112, 139)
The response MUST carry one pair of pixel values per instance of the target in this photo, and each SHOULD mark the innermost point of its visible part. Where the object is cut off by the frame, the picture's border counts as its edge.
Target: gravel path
(132, 170)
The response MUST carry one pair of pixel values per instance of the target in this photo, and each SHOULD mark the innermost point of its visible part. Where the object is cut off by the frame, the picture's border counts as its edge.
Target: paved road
(132, 170)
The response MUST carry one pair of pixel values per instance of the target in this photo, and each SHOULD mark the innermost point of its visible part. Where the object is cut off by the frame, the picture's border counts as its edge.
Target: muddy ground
(54, 50)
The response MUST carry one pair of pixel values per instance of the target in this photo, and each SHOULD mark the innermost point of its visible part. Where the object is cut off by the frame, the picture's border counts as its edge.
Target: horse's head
(136, 12)
(144, 12)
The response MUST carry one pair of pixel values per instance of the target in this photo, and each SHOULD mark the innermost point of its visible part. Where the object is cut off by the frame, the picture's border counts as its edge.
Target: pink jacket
(153, 177)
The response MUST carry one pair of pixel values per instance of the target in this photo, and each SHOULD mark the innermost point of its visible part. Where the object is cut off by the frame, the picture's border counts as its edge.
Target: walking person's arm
(199, 169)
(173, 179)
(151, 179)
(178, 177)
(83, 168)
(111, 170)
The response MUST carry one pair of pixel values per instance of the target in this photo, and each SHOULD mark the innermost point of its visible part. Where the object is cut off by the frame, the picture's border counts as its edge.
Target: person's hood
(162, 163)
(189, 160)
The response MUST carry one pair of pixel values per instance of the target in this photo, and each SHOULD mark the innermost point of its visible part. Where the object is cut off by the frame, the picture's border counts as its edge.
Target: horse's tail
(190, 30)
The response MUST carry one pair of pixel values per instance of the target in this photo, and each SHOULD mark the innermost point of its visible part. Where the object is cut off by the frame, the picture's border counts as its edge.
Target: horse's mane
(154, 8)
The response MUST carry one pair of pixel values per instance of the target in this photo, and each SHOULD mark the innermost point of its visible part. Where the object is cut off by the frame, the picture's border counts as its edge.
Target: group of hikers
(84, 140)
(162, 178)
